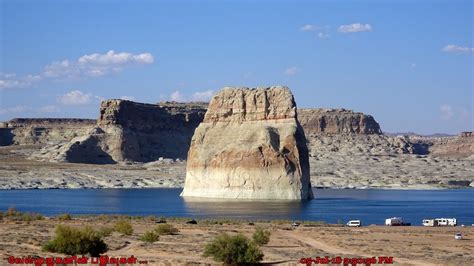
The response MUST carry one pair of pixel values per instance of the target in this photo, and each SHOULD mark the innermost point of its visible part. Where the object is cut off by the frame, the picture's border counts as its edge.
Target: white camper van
(354, 223)
(394, 221)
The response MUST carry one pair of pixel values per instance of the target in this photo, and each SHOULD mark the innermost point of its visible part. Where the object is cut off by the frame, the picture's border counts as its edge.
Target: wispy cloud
(323, 35)
(15, 110)
(76, 97)
(355, 27)
(447, 111)
(201, 96)
(177, 96)
(291, 71)
(48, 109)
(309, 27)
(86, 66)
(23, 110)
(452, 48)
(128, 98)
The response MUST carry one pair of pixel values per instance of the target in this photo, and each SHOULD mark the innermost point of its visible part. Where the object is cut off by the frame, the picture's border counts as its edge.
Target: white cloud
(323, 35)
(308, 27)
(76, 97)
(91, 65)
(128, 98)
(48, 109)
(291, 71)
(447, 112)
(23, 110)
(202, 96)
(452, 48)
(9, 80)
(15, 110)
(355, 27)
(112, 58)
(177, 97)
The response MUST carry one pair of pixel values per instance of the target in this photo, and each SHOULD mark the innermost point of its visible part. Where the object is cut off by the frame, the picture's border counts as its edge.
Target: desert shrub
(106, 231)
(150, 236)
(166, 229)
(236, 249)
(14, 215)
(124, 227)
(64, 217)
(73, 241)
(11, 212)
(261, 237)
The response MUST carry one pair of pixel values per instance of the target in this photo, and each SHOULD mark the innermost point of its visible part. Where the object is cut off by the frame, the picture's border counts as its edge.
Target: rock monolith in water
(249, 146)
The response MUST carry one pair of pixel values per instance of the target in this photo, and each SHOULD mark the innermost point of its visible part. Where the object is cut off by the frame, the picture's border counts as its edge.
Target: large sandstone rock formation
(130, 131)
(249, 146)
(337, 121)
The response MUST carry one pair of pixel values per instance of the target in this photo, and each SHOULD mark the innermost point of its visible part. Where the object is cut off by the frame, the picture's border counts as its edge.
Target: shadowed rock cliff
(130, 131)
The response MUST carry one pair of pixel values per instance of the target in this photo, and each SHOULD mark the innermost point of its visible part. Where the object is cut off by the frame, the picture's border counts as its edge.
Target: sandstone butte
(250, 145)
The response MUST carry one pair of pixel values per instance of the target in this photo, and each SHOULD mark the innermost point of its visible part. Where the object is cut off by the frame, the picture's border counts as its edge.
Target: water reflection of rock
(245, 209)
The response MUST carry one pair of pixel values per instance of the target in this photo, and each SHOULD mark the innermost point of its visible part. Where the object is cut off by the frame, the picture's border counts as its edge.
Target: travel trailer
(440, 222)
(430, 222)
(394, 221)
(354, 223)
(446, 221)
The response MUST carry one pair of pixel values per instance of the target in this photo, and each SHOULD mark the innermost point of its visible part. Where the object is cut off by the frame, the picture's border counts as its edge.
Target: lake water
(371, 206)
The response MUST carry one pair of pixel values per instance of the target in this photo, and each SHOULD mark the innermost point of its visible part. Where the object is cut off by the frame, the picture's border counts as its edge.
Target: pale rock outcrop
(337, 121)
(28, 131)
(249, 146)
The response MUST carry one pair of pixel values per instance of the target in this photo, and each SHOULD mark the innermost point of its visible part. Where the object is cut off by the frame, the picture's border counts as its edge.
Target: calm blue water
(371, 206)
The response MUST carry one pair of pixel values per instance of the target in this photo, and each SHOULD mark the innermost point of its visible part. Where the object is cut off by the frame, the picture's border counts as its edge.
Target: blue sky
(407, 63)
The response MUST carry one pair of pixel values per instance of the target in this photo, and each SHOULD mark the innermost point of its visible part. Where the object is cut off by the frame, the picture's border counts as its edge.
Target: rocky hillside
(27, 131)
(461, 146)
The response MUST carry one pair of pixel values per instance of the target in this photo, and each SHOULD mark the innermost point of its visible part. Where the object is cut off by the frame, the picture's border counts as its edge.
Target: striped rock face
(249, 146)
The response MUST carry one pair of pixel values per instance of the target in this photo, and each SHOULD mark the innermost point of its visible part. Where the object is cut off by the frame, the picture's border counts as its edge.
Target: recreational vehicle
(446, 221)
(394, 221)
(430, 222)
(440, 222)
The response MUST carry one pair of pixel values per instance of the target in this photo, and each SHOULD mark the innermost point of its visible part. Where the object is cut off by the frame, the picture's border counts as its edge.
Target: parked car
(458, 236)
(354, 223)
